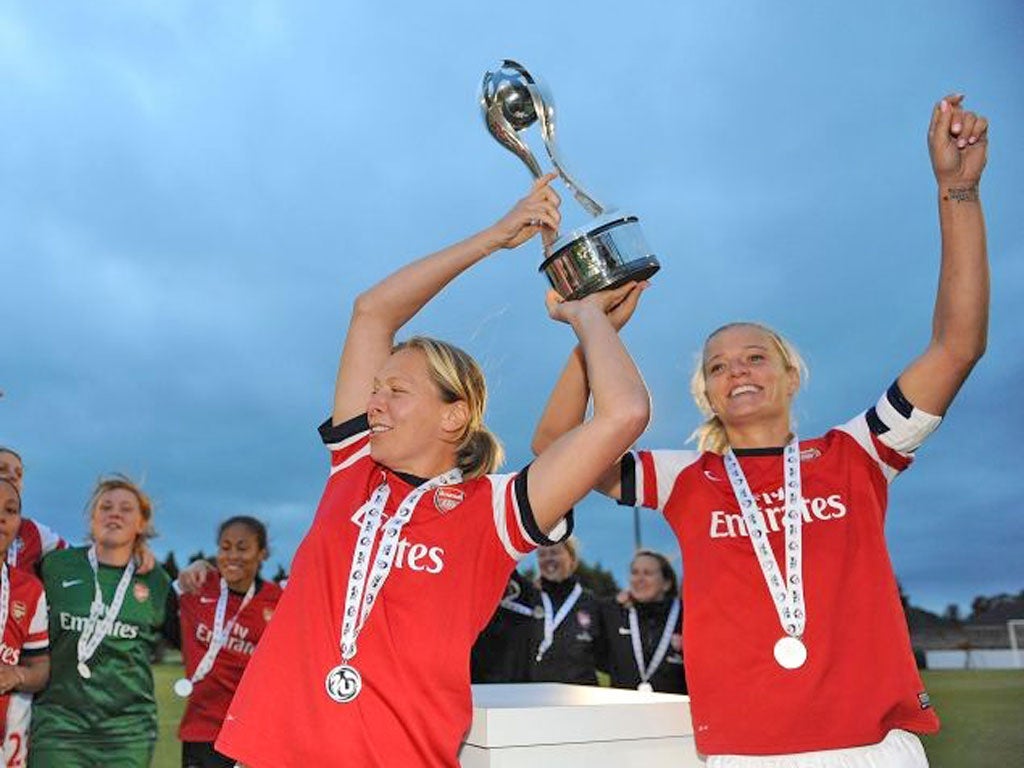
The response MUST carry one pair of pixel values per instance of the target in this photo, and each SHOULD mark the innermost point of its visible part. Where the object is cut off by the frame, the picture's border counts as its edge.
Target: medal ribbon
(788, 594)
(96, 629)
(221, 631)
(661, 650)
(522, 610)
(12, 552)
(365, 581)
(5, 597)
(553, 620)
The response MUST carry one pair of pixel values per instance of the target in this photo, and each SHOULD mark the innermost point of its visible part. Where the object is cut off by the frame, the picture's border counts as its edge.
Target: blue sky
(191, 194)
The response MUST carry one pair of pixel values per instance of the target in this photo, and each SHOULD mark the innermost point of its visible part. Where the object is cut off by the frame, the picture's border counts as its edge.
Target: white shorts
(899, 749)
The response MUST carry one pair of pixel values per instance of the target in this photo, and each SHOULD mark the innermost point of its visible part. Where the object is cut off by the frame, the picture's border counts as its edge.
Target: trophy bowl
(609, 249)
(610, 252)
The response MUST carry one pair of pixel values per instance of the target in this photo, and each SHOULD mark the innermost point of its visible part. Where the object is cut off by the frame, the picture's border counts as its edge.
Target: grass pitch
(982, 713)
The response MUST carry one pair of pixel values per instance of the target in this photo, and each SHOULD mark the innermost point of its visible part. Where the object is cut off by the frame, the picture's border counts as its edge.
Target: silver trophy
(610, 249)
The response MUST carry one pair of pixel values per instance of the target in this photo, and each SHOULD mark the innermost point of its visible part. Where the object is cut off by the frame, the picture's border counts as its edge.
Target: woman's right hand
(192, 577)
(536, 212)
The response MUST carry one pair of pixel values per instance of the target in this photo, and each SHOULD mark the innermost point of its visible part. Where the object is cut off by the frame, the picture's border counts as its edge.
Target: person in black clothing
(644, 627)
(568, 636)
(502, 652)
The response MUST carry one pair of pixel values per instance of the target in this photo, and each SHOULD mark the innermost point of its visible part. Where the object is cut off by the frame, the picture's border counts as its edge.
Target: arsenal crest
(446, 499)
(267, 613)
(809, 454)
(583, 617)
(141, 592)
(18, 610)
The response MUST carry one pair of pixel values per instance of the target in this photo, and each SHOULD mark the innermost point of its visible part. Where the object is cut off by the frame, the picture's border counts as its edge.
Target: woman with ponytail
(795, 643)
(367, 660)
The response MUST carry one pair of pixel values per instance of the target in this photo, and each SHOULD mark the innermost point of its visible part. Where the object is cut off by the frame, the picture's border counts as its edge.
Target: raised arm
(958, 144)
(573, 463)
(379, 312)
(567, 406)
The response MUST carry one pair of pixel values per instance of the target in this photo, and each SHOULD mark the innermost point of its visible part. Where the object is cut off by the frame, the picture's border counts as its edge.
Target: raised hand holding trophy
(610, 249)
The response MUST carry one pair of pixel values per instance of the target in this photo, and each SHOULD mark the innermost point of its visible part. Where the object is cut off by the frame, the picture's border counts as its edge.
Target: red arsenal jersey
(26, 632)
(34, 540)
(452, 563)
(859, 680)
(208, 703)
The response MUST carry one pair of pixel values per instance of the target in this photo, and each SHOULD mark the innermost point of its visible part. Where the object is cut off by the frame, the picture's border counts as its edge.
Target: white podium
(533, 725)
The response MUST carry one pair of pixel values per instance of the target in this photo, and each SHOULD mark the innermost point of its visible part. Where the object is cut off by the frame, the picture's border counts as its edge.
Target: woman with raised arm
(367, 660)
(795, 640)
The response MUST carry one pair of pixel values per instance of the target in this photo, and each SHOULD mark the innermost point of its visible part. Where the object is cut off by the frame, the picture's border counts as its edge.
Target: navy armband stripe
(526, 512)
(899, 401)
(875, 424)
(332, 434)
(627, 480)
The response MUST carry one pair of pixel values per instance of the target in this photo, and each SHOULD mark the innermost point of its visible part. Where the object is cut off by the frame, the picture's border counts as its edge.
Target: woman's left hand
(537, 212)
(145, 557)
(617, 304)
(193, 576)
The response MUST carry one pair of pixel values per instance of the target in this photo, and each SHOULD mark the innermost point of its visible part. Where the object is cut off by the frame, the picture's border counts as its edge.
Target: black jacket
(579, 641)
(621, 663)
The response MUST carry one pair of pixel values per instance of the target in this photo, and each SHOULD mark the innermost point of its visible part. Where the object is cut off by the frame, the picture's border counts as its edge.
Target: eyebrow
(745, 346)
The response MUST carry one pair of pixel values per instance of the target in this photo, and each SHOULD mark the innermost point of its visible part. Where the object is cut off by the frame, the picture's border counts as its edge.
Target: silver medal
(343, 683)
(645, 687)
(84, 671)
(790, 652)
(183, 687)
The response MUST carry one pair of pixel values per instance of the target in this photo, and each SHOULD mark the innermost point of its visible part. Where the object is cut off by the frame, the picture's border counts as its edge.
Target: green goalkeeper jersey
(116, 703)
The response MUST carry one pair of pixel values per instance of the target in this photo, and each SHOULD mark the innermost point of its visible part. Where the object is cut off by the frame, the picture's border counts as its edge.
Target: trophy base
(609, 253)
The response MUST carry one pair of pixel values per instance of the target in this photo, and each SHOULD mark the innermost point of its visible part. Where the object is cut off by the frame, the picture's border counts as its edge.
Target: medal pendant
(790, 652)
(84, 671)
(183, 687)
(343, 683)
(645, 687)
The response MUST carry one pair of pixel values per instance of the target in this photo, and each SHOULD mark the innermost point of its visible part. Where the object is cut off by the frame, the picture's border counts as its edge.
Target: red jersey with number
(25, 633)
(208, 703)
(452, 564)
(859, 680)
(34, 540)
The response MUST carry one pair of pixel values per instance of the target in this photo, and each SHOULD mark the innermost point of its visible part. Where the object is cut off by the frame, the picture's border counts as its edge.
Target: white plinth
(531, 725)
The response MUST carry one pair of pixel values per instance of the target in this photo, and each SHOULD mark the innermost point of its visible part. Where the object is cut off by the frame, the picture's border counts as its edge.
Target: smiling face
(11, 468)
(647, 582)
(117, 519)
(239, 556)
(412, 428)
(556, 562)
(10, 515)
(746, 378)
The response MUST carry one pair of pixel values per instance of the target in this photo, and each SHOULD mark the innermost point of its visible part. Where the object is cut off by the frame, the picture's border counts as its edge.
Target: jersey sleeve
(891, 431)
(649, 476)
(49, 540)
(38, 639)
(347, 442)
(513, 517)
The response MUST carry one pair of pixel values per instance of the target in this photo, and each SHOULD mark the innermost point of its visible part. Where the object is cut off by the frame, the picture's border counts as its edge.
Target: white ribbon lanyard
(365, 580)
(553, 620)
(788, 593)
(96, 629)
(12, 552)
(5, 597)
(659, 653)
(221, 632)
(522, 610)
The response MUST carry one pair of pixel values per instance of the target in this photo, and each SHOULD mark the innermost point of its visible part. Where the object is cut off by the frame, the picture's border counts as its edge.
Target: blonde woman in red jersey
(367, 660)
(795, 644)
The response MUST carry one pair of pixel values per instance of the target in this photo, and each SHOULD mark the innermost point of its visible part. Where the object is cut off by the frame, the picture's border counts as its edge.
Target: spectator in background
(644, 628)
(25, 661)
(105, 618)
(502, 652)
(568, 637)
(218, 628)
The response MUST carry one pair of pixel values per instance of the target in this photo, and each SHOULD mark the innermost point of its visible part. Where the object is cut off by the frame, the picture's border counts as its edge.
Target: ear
(454, 418)
(793, 382)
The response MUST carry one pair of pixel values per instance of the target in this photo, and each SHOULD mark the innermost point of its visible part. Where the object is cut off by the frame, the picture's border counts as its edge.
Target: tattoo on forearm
(962, 194)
